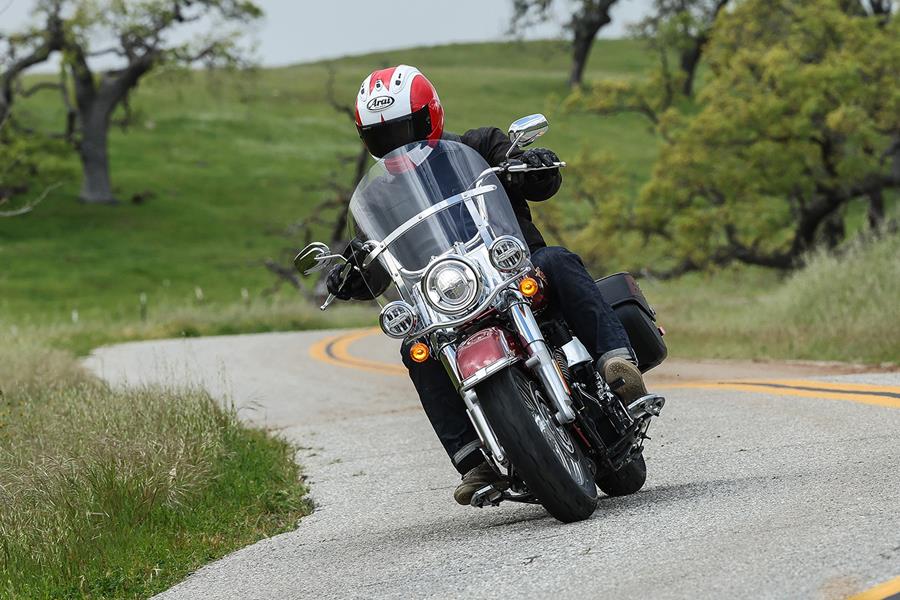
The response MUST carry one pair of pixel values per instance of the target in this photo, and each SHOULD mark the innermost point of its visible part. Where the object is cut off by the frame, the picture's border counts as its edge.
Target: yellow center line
(839, 385)
(335, 350)
(888, 589)
(827, 392)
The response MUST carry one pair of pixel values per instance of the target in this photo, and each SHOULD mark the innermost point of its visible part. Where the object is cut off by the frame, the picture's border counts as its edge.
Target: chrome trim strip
(418, 218)
(482, 374)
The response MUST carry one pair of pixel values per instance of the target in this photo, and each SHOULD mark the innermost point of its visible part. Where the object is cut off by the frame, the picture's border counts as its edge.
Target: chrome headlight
(397, 319)
(507, 253)
(451, 285)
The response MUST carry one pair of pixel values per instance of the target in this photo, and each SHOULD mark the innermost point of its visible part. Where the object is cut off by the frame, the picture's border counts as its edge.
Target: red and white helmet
(396, 107)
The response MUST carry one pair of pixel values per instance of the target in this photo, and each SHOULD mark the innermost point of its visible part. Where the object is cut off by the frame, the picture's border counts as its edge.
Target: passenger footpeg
(649, 405)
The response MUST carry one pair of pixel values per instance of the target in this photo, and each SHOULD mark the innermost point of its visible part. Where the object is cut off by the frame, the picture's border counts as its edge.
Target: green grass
(120, 494)
(82, 332)
(232, 159)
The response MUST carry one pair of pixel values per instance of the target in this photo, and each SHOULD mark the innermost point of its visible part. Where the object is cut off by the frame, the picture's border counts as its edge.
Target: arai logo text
(379, 103)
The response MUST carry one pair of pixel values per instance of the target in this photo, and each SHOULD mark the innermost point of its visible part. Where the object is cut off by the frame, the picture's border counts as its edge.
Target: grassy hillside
(229, 161)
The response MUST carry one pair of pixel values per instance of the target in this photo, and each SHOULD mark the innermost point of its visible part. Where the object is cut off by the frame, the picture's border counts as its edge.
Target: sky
(305, 30)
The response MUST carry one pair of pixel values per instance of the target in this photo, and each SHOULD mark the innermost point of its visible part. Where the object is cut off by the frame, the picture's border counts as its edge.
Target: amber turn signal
(529, 286)
(419, 352)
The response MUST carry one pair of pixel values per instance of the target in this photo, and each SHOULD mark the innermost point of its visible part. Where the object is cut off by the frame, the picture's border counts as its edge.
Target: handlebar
(522, 167)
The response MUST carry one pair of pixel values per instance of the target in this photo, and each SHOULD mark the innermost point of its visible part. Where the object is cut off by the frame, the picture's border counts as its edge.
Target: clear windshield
(418, 200)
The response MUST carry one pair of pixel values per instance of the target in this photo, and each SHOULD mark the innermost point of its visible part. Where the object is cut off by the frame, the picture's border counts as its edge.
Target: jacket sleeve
(493, 145)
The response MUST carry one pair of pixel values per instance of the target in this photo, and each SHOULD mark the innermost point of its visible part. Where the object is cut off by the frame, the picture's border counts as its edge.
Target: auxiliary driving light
(507, 253)
(529, 287)
(397, 319)
(419, 352)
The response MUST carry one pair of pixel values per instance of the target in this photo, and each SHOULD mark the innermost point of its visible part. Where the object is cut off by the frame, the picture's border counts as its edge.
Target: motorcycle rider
(398, 106)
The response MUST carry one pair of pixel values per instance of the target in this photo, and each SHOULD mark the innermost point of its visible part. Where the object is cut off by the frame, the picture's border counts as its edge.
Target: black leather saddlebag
(622, 292)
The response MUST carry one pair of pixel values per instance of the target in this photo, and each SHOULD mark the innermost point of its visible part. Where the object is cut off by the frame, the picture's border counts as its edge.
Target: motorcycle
(437, 219)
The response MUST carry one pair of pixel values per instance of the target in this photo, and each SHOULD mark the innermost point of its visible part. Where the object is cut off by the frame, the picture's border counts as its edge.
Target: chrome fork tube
(473, 407)
(485, 433)
(541, 361)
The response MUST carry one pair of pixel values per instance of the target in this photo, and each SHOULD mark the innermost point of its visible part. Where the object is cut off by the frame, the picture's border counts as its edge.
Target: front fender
(483, 354)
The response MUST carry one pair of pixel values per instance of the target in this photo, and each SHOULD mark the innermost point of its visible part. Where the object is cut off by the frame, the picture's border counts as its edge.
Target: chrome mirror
(315, 257)
(524, 131)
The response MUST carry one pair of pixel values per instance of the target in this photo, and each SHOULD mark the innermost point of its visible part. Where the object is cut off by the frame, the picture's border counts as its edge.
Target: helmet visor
(382, 138)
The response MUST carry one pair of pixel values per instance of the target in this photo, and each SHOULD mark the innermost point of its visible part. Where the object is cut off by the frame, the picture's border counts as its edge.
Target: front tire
(546, 458)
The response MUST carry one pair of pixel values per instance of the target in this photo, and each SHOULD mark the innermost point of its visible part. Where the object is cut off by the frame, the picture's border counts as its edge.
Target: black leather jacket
(492, 144)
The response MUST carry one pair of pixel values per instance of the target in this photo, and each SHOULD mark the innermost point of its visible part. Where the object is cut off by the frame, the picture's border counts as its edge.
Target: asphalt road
(788, 488)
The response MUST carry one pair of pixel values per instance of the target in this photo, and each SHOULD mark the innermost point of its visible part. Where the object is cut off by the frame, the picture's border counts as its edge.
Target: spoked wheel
(543, 454)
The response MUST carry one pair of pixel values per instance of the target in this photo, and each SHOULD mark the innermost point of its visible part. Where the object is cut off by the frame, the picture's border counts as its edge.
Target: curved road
(766, 481)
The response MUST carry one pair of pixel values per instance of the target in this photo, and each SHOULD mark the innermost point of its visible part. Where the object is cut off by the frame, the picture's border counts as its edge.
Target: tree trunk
(833, 230)
(876, 209)
(95, 185)
(690, 59)
(581, 48)
(585, 24)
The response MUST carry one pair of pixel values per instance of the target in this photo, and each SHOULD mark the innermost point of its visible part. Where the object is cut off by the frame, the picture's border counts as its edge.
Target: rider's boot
(475, 479)
(625, 379)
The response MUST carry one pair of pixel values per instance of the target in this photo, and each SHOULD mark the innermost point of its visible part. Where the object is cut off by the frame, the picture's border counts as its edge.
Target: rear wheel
(627, 480)
(543, 454)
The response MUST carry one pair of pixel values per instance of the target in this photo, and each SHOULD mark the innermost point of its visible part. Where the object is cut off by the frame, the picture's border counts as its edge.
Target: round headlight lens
(507, 253)
(397, 319)
(451, 285)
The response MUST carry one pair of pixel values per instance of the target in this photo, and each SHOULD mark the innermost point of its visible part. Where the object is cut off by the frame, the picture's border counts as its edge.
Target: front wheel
(544, 455)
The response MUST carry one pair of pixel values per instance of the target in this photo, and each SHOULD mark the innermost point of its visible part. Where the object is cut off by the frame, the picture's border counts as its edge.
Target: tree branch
(44, 85)
(52, 38)
(30, 205)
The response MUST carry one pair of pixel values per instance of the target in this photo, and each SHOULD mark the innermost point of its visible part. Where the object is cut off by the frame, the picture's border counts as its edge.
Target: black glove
(357, 285)
(336, 283)
(534, 158)
(540, 157)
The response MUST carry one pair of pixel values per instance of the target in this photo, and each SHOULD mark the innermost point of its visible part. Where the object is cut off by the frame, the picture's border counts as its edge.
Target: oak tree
(798, 118)
(681, 27)
(137, 36)
(586, 18)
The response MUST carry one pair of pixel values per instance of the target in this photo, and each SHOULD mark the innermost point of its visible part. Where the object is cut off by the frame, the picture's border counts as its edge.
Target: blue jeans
(572, 291)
